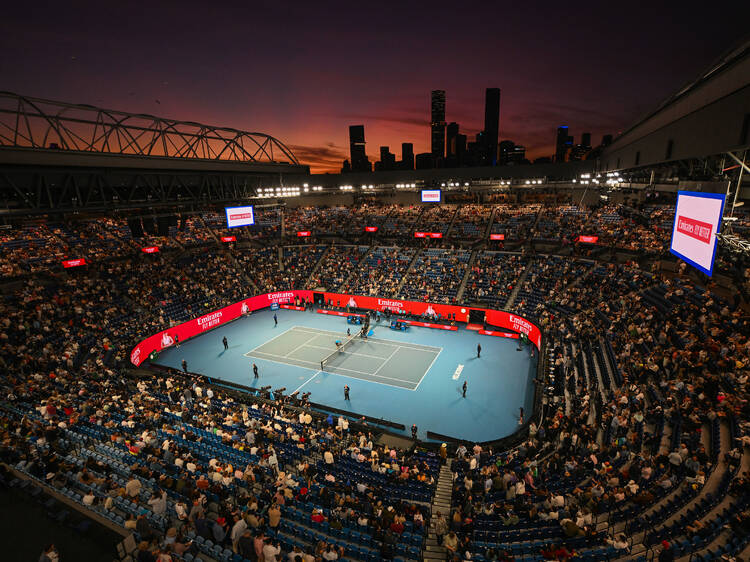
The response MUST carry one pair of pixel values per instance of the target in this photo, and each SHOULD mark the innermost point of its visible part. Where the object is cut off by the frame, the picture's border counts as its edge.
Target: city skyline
(304, 73)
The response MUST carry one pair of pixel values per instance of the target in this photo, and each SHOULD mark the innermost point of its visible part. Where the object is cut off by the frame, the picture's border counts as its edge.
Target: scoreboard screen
(240, 216)
(697, 219)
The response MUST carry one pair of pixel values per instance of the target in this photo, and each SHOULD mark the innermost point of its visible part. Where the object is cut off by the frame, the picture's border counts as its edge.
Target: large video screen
(697, 220)
(430, 196)
(240, 216)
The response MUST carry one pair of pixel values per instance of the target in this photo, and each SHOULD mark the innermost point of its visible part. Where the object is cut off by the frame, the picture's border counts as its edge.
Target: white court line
(300, 346)
(269, 341)
(342, 368)
(307, 381)
(386, 361)
(349, 352)
(428, 368)
(376, 341)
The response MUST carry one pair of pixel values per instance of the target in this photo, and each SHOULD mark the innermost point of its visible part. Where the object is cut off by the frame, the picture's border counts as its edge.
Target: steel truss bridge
(59, 157)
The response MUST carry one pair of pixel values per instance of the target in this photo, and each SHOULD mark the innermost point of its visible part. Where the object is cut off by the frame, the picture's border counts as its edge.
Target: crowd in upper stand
(646, 434)
(493, 277)
(338, 264)
(42, 244)
(436, 277)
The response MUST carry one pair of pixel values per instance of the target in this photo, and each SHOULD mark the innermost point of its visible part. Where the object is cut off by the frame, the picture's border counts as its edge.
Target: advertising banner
(697, 220)
(496, 318)
(211, 320)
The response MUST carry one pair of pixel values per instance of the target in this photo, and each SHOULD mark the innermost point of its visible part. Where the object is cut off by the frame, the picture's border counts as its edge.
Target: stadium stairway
(519, 284)
(409, 269)
(317, 265)
(453, 219)
(441, 503)
(467, 274)
(488, 228)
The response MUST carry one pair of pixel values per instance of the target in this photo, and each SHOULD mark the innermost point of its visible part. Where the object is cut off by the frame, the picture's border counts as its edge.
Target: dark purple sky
(303, 72)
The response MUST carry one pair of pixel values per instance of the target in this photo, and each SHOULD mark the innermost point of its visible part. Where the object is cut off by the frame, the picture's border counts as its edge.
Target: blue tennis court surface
(395, 363)
(406, 377)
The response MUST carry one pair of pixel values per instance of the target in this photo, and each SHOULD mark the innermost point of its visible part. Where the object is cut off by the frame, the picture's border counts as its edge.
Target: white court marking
(457, 372)
(307, 381)
(281, 357)
(301, 346)
(388, 343)
(376, 341)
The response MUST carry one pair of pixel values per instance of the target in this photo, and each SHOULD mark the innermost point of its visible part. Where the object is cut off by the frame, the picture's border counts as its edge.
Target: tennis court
(394, 363)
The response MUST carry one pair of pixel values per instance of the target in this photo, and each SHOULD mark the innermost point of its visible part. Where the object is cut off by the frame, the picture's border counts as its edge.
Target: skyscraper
(580, 151)
(359, 160)
(491, 124)
(387, 160)
(407, 156)
(562, 143)
(437, 125)
(451, 138)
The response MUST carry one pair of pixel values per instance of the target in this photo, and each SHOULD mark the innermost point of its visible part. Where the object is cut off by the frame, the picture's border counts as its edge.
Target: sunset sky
(304, 72)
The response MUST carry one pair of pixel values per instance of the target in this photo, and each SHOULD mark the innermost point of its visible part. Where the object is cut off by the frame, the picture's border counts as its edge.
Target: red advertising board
(498, 334)
(588, 239)
(74, 263)
(229, 239)
(196, 326)
(338, 313)
(428, 235)
(694, 228)
(497, 318)
(431, 325)
(292, 307)
(150, 249)
(303, 233)
(497, 236)
(371, 229)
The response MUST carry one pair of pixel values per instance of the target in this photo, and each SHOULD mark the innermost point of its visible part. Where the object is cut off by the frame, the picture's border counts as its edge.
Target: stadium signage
(497, 236)
(695, 229)
(150, 249)
(697, 222)
(521, 324)
(390, 304)
(276, 297)
(428, 235)
(588, 239)
(229, 239)
(239, 216)
(74, 263)
(371, 229)
(431, 325)
(303, 233)
(210, 320)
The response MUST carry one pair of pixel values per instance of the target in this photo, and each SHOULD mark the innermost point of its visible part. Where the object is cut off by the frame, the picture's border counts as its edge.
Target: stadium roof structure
(57, 128)
(708, 116)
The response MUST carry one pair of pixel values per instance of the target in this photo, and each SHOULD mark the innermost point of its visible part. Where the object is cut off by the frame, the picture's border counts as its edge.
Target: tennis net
(339, 351)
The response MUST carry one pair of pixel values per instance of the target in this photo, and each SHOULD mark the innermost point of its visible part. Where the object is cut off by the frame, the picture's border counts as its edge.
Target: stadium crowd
(643, 448)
